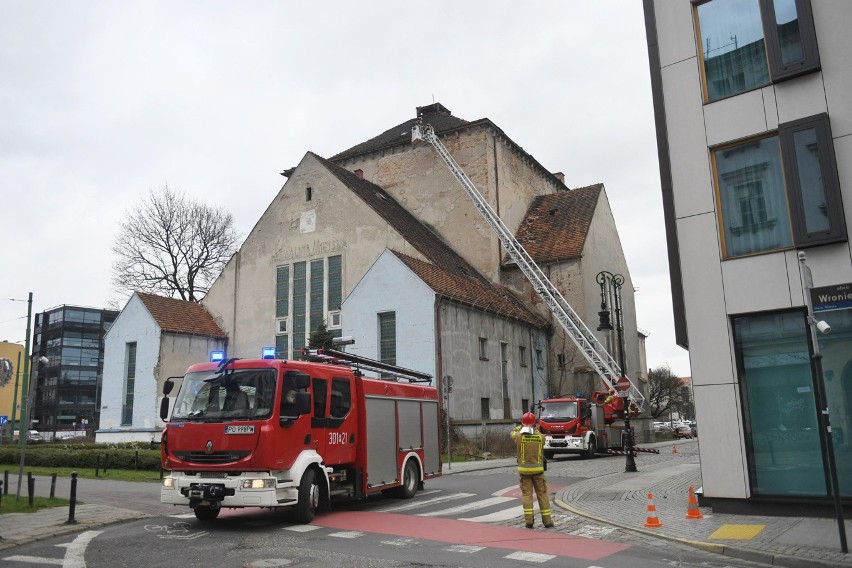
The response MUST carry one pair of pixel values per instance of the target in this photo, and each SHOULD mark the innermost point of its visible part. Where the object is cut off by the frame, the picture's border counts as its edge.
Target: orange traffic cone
(674, 449)
(692, 511)
(651, 520)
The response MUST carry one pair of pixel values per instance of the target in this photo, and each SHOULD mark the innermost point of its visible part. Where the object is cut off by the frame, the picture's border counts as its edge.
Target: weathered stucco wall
(292, 229)
(418, 178)
(475, 378)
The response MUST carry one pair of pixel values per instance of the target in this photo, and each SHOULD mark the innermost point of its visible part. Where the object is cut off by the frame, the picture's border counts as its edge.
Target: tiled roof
(455, 278)
(556, 225)
(436, 114)
(180, 316)
(472, 291)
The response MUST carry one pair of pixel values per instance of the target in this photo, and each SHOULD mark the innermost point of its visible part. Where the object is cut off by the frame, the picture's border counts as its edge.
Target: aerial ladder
(594, 352)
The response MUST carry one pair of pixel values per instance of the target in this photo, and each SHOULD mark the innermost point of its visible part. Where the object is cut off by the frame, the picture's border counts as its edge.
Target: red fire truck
(574, 425)
(276, 433)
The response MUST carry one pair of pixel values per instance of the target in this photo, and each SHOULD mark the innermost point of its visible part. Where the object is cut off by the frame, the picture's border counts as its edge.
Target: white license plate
(239, 429)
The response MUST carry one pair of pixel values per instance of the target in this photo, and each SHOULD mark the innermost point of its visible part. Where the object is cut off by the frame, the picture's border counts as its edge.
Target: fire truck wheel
(206, 514)
(309, 494)
(409, 481)
(592, 449)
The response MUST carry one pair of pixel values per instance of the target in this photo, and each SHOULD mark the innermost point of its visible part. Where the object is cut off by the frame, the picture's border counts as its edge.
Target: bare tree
(666, 392)
(172, 246)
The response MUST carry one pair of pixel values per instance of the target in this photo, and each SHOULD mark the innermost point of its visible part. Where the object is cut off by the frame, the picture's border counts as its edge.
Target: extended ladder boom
(393, 372)
(594, 352)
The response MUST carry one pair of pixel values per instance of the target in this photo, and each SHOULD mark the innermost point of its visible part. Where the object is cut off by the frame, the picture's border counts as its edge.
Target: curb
(721, 549)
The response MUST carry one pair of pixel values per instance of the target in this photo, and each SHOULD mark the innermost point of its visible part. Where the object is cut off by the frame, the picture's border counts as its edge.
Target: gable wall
(334, 222)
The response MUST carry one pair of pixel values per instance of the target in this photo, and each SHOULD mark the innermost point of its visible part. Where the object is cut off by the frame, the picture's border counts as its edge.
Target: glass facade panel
(282, 292)
(387, 338)
(776, 384)
(814, 207)
(317, 294)
(836, 350)
(733, 47)
(300, 284)
(787, 28)
(129, 385)
(335, 282)
(753, 198)
(281, 347)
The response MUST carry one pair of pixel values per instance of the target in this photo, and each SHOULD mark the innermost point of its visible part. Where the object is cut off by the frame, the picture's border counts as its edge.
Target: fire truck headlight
(258, 483)
(169, 482)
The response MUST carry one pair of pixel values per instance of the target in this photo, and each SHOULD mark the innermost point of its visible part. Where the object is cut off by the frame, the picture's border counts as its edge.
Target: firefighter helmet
(528, 419)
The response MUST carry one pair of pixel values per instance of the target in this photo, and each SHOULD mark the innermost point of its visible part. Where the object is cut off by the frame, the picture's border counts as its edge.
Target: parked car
(683, 431)
(660, 427)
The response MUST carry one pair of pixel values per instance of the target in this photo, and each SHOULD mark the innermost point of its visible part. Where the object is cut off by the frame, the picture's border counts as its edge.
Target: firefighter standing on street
(530, 444)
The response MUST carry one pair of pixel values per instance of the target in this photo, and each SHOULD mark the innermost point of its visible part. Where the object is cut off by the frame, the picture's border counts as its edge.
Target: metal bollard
(30, 488)
(97, 464)
(136, 460)
(2, 486)
(6, 482)
(73, 503)
(106, 462)
(52, 485)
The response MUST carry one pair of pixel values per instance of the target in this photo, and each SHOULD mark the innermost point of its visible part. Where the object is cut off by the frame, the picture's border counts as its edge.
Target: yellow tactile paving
(737, 532)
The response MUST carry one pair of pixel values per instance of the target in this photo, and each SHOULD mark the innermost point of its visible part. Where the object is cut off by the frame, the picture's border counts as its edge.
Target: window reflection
(780, 411)
(789, 36)
(733, 47)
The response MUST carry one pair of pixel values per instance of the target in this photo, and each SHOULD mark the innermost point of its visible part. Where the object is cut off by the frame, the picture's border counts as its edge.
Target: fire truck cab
(275, 433)
(575, 425)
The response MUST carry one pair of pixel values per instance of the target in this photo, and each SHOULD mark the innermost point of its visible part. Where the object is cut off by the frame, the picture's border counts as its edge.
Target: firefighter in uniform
(530, 444)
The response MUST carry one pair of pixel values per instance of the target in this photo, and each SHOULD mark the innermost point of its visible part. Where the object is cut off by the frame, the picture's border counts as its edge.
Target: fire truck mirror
(294, 380)
(168, 386)
(164, 409)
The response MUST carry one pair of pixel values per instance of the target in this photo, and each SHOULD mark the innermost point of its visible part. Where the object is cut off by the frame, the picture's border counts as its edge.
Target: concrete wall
(715, 288)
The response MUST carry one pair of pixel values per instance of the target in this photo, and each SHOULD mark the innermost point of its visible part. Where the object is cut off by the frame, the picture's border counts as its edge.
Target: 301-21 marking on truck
(337, 437)
(244, 429)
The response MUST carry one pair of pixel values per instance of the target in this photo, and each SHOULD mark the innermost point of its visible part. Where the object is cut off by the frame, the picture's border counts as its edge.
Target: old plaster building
(381, 243)
(754, 132)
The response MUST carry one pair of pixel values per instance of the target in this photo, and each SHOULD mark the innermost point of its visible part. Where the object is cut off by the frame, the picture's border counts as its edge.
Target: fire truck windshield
(242, 394)
(559, 411)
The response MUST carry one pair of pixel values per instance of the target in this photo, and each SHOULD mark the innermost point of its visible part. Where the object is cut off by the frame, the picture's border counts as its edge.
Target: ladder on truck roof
(592, 349)
(390, 372)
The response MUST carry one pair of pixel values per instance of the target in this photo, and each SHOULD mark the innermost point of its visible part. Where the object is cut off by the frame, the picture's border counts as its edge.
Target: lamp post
(611, 291)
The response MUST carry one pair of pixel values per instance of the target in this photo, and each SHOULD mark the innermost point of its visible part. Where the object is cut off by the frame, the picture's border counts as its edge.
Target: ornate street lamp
(611, 291)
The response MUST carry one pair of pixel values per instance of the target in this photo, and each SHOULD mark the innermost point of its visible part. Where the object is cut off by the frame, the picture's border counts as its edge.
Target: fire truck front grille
(213, 457)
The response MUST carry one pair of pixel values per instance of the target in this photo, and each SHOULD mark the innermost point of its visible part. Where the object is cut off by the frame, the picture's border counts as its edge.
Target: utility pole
(23, 430)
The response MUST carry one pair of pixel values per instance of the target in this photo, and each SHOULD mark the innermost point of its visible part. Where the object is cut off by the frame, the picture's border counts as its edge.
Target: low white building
(453, 326)
(152, 339)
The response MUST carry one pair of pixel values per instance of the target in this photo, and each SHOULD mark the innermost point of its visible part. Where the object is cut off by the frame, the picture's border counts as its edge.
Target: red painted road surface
(453, 531)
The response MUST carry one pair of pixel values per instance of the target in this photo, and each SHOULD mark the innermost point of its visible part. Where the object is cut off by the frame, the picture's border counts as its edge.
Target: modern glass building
(65, 391)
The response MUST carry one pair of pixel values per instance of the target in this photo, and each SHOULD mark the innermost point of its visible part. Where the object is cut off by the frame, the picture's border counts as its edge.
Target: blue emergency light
(216, 356)
(268, 353)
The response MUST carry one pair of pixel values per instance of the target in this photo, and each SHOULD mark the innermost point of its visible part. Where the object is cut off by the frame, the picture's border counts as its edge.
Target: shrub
(114, 456)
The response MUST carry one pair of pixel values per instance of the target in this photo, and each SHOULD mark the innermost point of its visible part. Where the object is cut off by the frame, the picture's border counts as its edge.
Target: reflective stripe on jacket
(530, 453)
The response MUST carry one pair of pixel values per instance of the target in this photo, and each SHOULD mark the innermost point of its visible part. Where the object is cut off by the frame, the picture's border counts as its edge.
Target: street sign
(623, 386)
(4, 420)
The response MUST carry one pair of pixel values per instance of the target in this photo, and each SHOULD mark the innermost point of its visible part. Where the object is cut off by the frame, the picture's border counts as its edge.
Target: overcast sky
(101, 102)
